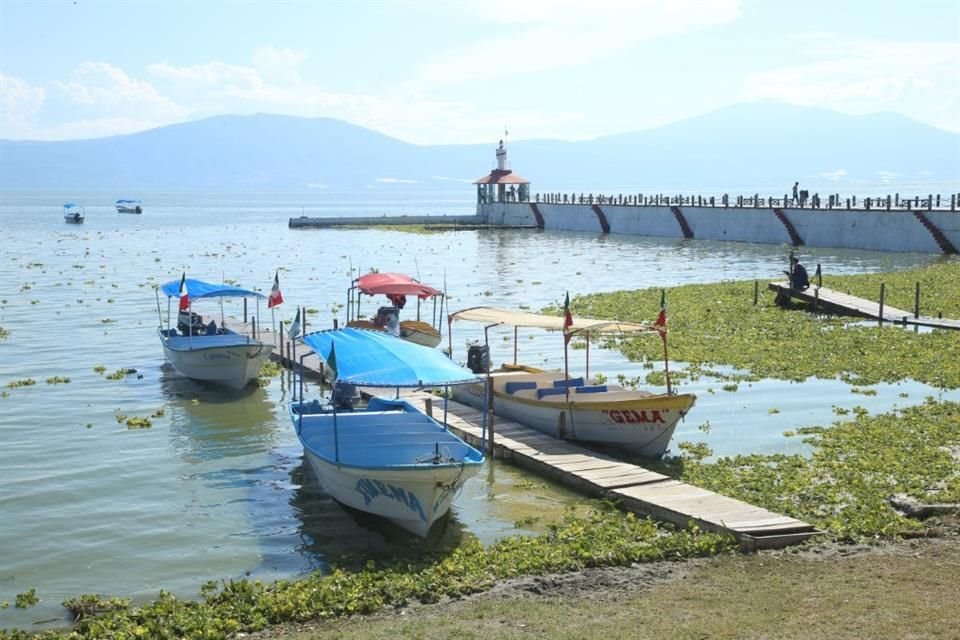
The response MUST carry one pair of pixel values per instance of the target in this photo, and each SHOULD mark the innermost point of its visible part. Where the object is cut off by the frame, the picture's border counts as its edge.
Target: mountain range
(754, 144)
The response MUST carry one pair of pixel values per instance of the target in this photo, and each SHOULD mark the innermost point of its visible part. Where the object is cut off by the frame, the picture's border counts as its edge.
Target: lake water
(218, 488)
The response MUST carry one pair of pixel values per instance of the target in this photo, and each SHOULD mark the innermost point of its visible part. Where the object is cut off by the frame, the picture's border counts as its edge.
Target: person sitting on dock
(799, 280)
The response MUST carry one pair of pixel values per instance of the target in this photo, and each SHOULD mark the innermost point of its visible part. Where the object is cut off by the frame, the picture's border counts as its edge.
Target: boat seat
(596, 388)
(513, 387)
(554, 391)
(572, 382)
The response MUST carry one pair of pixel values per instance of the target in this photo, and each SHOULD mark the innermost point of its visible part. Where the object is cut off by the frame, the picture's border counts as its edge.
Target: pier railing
(805, 201)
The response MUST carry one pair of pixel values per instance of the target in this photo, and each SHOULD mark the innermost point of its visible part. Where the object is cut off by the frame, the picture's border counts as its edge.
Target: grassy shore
(609, 573)
(905, 590)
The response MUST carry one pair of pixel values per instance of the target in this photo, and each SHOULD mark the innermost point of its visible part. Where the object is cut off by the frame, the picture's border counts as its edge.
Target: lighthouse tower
(502, 184)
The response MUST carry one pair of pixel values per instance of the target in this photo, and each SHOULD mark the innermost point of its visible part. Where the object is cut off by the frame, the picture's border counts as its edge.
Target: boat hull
(633, 422)
(386, 463)
(230, 360)
(73, 219)
(415, 331)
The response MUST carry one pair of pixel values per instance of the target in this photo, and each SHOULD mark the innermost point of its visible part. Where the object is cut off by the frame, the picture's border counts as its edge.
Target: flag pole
(666, 361)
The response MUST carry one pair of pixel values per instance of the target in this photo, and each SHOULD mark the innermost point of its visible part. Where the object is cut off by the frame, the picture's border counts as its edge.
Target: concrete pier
(922, 225)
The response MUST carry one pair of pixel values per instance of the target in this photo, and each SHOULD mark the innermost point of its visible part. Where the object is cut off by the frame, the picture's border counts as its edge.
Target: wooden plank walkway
(639, 490)
(845, 304)
(595, 474)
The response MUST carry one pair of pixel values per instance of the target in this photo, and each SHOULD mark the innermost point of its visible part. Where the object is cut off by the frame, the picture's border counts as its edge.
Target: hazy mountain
(749, 144)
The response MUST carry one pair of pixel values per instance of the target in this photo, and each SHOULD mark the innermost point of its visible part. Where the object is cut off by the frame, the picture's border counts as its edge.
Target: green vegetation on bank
(604, 537)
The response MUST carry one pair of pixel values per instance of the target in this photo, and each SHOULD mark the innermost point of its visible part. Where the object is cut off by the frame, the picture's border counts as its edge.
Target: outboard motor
(478, 358)
(344, 397)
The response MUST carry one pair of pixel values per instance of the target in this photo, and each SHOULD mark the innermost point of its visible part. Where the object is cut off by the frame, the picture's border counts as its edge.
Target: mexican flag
(567, 319)
(184, 294)
(275, 296)
(661, 322)
(294, 330)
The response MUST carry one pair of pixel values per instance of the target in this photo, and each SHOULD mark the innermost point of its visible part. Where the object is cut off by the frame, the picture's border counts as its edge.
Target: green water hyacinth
(846, 486)
(605, 537)
(718, 324)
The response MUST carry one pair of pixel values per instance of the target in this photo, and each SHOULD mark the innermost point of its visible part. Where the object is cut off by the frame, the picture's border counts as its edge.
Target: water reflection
(209, 422)
(330, 530)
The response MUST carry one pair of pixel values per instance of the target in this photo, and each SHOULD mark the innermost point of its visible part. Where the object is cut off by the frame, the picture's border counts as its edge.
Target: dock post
(304, 316)
(896, 199)
(929, 202)
(756, 292)
(916, 301)
(880, 315)
(816, 300)
(244, 311)
(428, 406)
(489, 416)
(335, 323)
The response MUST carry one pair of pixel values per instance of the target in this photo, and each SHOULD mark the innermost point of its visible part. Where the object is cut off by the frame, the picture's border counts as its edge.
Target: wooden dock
(637, 489)
(592, 473)
(831, 301)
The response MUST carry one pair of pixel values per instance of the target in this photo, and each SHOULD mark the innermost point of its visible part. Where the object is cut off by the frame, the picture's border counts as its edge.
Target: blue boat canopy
(199, 289)
(69, 205)
(128, 201)
(376, 359)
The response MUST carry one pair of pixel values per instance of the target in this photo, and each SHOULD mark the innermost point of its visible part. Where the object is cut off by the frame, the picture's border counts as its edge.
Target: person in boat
(211, 329)
(393, 323)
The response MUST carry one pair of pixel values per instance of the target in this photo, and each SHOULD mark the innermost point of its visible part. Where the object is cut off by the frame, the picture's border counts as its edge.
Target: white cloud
(19, 104)
(917, 79)
(541, 35)
(834, 176)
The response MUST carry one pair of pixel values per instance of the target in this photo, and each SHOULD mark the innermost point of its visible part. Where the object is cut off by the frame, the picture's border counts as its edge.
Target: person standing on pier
(796, 192)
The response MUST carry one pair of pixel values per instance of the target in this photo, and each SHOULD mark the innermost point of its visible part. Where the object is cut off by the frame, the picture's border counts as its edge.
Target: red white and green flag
(661, 322)
(184, 294)
(275, 296)
(567, 319)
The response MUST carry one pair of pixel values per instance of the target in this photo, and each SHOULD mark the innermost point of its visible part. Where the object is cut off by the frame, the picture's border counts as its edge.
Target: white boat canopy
(492, 316)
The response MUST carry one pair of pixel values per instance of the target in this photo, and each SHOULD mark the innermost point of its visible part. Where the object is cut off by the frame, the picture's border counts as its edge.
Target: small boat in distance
(388, 458)
(73, 213)
(129, 206)
(205, 351)
(573, 408)
(396, 287)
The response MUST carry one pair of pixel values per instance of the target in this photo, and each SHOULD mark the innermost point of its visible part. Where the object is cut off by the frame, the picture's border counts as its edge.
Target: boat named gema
(573, 408)
(387, 458)
(205, 351)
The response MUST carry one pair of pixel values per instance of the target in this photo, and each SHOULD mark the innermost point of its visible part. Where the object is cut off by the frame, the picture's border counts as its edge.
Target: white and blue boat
(73, 213)
(129, 206)
(204, 350)
(388, 458)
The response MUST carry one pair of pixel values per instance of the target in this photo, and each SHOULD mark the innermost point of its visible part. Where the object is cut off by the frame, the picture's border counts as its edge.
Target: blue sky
(460, 72)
